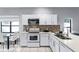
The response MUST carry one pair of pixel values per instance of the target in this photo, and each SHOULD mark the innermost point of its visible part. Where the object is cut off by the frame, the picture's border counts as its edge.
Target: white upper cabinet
(54, 19)
(44, 19)
(25, 19)
(48, 19)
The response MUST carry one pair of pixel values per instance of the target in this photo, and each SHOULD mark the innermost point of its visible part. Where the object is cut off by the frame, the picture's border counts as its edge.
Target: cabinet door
(55, 44)
(50, 42)
(56, 47)
(47, 41)
(44, 40)
(63, 48)
(23, 40)
(25, 19)
(48, 20)
(54, 19)
(42, 20)
(45, 19)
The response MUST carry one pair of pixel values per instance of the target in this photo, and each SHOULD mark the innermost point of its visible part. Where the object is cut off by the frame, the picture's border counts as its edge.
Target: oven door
(33, 38)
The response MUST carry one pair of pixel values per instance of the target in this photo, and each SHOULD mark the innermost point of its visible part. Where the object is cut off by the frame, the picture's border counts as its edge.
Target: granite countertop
(72, 43)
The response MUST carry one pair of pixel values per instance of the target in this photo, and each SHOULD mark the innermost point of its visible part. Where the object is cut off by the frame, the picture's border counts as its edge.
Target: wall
(68, 13)
(62, 13)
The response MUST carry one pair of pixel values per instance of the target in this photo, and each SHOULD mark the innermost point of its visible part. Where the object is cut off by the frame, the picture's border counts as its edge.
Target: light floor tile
(17, 48)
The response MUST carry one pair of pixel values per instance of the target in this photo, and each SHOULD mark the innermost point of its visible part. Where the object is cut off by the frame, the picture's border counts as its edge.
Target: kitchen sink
(63, 37)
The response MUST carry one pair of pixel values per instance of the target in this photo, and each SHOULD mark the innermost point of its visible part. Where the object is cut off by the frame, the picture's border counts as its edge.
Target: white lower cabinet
(51, 43)
(44, 39)
(54, 44)
(23, 39)
(64, 48)
(57, 46)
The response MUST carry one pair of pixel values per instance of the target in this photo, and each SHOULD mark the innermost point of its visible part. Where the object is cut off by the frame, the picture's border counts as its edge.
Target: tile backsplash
(52, 28)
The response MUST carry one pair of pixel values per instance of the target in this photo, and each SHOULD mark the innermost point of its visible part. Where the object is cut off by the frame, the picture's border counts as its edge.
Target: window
(15, 23)
(5, 23)
(10, 27)
(15, 26)
(15, 29)
(67, 25)
(5, 26)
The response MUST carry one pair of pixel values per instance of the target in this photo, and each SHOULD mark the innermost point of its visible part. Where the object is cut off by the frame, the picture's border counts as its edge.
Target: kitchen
(40, 29)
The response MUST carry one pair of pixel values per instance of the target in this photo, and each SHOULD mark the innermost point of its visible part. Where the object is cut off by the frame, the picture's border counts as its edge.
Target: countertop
(73, 43)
